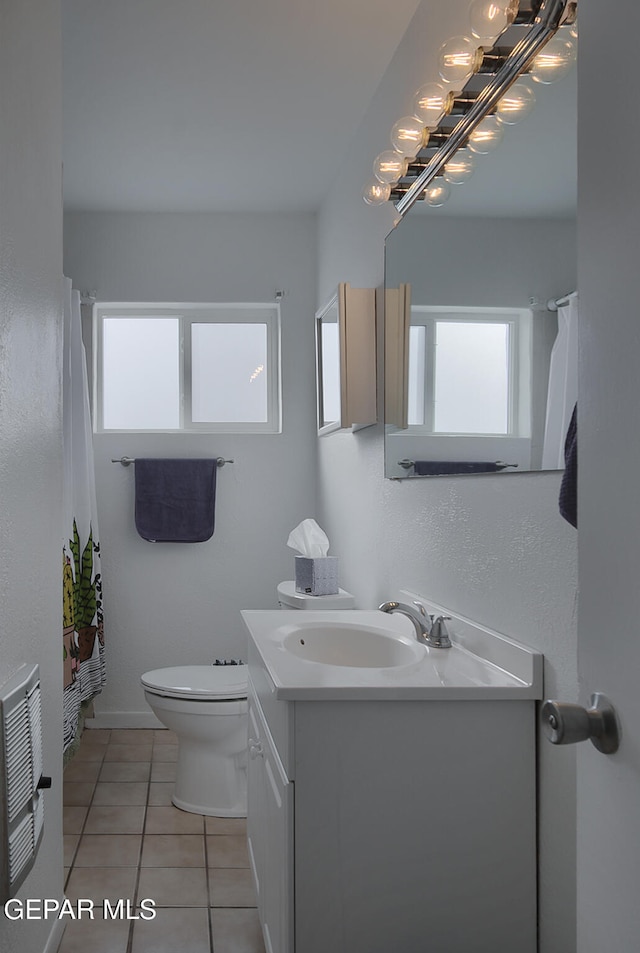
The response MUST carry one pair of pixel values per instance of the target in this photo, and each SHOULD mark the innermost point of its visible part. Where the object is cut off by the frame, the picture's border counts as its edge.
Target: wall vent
(21, 780)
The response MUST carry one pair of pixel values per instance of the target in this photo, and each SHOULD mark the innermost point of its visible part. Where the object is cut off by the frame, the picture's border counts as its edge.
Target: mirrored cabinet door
(346, 360)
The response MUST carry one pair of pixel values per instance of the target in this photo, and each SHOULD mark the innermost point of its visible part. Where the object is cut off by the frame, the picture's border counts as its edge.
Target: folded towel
(175, 499)
(568, 502)
(435, 467)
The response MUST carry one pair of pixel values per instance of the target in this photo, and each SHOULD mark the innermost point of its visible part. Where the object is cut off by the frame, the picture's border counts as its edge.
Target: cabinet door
(270, 835)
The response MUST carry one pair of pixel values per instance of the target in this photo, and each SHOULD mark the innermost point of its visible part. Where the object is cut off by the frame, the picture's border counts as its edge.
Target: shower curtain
(563, 385)
(82, 617)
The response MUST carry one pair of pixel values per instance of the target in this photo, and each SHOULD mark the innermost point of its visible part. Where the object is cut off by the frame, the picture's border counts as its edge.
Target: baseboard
(55, 936)
(123, 719)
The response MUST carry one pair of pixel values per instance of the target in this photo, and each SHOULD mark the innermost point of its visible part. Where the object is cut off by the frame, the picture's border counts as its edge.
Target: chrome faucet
(429, 631)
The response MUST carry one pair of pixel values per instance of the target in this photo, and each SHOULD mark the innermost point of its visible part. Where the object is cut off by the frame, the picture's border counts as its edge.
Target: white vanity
(391, 805)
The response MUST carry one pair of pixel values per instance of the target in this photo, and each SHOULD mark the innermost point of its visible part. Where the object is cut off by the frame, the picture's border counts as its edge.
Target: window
(187, 368)
(469, 370)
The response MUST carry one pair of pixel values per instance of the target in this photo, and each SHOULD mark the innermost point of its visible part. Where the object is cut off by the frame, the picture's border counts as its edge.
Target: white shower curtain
(82, 624)
(563, 385)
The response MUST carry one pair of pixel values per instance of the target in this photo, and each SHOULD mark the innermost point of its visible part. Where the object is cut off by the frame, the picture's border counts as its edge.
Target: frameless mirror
(468, 335)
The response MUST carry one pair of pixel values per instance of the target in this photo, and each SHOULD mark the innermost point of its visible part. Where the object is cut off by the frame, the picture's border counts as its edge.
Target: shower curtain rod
(554, 303)
(127, 461)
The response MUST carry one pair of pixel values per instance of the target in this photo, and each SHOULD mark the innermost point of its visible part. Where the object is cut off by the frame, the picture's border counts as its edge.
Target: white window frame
(519, 362)
(187, 314)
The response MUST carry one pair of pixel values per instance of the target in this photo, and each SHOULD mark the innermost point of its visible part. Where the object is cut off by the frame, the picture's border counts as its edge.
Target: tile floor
(124, 840)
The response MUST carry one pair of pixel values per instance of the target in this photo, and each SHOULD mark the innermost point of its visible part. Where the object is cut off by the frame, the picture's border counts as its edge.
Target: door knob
(566, 724)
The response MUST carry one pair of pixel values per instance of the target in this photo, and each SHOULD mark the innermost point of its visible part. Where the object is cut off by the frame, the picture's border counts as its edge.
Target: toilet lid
(204, 682)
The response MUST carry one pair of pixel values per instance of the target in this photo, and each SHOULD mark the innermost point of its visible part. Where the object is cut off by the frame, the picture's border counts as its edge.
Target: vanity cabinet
(381, 825)
(346, 360)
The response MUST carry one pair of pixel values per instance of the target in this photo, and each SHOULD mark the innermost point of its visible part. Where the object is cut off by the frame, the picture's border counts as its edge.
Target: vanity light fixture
(479, 92)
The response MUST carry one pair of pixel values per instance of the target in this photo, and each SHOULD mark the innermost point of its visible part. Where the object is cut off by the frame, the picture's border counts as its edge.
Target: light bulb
(554, 60)
(376, 193)
(459, 58)
(486, 136)
(516, 104)
(389, 166)
(489, 19)
(437, 193)
(430, 104)
(458, 169)
(408, 136)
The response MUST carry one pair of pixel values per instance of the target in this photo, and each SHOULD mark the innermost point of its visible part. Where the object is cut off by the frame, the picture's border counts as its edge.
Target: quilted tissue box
(316, 577)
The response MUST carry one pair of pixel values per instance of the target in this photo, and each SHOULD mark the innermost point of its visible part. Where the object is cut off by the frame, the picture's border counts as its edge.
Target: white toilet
(206, 706)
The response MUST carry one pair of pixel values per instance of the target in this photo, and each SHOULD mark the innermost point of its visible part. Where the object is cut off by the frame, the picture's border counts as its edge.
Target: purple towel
(442, 467)
(175, 499)
(568, 502)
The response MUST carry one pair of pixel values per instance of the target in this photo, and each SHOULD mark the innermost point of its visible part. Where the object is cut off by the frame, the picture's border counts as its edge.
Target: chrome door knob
(566, 724)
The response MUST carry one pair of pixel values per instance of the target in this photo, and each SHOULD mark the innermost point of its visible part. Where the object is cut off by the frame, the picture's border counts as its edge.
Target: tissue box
(317, 577)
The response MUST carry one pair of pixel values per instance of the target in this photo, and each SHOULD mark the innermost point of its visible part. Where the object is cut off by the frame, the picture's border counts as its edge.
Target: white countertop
(482, 665)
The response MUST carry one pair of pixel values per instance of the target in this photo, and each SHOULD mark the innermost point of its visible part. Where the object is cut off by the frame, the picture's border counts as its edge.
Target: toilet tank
(288, 598)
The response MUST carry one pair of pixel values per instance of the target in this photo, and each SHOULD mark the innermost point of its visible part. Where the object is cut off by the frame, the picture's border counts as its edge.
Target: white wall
(30, 408)
(168, 604)
(492, 548)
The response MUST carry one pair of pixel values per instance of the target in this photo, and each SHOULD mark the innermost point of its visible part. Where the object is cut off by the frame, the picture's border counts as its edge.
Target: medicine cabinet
(346, 360)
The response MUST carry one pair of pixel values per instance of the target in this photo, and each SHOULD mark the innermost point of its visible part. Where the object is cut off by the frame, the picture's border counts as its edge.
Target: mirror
(468, 335)
(329, 398)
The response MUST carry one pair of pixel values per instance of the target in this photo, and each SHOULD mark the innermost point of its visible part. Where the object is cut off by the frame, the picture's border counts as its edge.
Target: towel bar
(127, 461)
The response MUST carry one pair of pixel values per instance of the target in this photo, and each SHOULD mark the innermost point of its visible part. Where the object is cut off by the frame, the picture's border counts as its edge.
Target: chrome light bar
(551, 14)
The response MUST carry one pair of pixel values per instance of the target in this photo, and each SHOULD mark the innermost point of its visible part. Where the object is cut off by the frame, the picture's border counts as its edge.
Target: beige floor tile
(236, 931)
(173, 850)
(114, 792)
(115, 819)
(226, 825)
(127, 771)
(132, 736)
(100, 883)
(165, 753)
(69, 842)
(227, 850)
(160, 793)
(162, 736)
(96, 936)
(174, 886)
(172, 931)
(163, 771)
(89, 752)
(73, 818)
(170, 820)
(108, 850)
(77, 793)
(82, 771)
(231, 887)
(96, 736)
(135, 753)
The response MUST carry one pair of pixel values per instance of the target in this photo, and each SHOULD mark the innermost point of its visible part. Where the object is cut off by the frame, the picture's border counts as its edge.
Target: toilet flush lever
(255, 749)
(566, 724)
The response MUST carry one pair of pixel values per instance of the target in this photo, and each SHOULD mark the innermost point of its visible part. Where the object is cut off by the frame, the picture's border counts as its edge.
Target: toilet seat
(198, 682)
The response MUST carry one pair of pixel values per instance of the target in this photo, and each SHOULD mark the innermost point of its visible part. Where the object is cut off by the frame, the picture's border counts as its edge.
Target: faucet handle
(421, 609)
(439, 635)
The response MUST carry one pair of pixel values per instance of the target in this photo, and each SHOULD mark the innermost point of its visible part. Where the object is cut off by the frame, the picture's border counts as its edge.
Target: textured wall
(30, 408)
(492, 548)
(167, 604)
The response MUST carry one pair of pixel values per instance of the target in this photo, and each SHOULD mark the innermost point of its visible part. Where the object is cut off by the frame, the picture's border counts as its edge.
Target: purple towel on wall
(175, 499)
(568, 502)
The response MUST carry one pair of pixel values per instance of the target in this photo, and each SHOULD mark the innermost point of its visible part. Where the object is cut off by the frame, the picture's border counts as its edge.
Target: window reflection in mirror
(505, 242)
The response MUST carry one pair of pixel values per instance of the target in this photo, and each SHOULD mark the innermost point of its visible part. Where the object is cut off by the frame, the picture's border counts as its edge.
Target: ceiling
(185, 105)
(204, 105)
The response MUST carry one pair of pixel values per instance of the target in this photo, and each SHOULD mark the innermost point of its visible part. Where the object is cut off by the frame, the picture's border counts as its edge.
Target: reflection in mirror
(328, 374)
(468, 335)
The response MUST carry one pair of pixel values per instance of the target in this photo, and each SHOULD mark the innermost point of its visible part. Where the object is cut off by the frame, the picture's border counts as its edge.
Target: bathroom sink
(355, 646)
